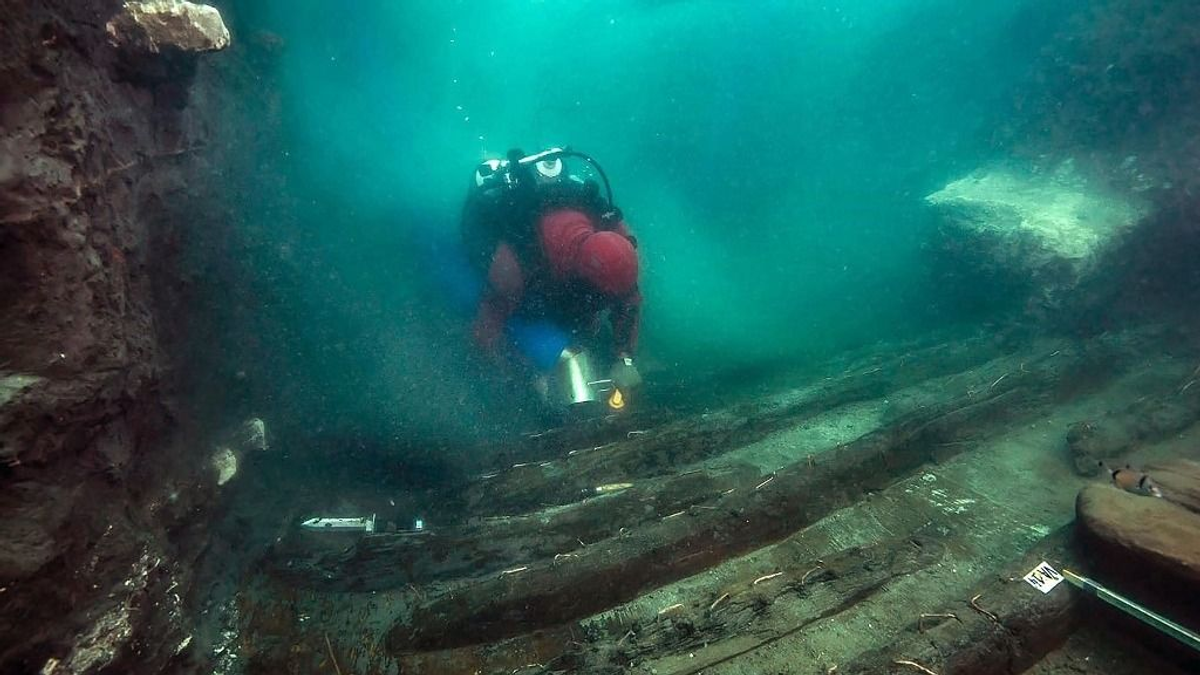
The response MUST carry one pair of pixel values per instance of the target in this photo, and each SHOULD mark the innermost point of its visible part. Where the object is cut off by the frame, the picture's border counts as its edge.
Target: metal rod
(1135, 610)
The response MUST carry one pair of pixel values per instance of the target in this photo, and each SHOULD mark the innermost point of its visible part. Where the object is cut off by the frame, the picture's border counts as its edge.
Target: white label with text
(1044, 577)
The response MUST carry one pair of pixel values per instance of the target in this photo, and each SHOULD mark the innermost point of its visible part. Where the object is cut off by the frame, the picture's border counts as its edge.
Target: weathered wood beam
(395, 560)
(1147, 420)
(618, 569)
(1024, 625)
(663, 449)
(737, 617)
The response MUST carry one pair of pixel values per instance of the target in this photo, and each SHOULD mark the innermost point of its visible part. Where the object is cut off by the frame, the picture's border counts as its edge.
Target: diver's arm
(627, 312)
(626, 321)
(626, 315)
(506, 285)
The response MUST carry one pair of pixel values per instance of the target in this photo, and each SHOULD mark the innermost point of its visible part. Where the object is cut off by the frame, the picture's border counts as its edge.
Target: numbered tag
(1044, 577)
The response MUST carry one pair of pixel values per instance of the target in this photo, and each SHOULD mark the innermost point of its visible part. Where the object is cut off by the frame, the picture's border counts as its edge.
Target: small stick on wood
(804, 579)
(671, 608)
(764, 482)
(914, 664)
(677, 513)
(624, 637)
(975, 606)
(636, 432)
(1187, 386)
(921, 620)
(766, 577)
(831, 669)
(718, 601)
(515, 570)
(333, 659)
(528, 665)
(416, 591)
(998, 381)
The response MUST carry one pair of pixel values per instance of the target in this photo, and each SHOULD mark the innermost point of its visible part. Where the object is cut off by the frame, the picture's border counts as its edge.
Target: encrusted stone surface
(100, 514)
(1045, 232)
(153, 25)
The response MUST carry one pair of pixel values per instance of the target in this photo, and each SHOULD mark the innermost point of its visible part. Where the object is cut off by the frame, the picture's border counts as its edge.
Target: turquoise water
(771, 159)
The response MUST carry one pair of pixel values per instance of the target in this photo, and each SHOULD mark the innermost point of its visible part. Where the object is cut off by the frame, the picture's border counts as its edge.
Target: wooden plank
(617, 570)
(666, 447)
(1024, 625)
(387, 561)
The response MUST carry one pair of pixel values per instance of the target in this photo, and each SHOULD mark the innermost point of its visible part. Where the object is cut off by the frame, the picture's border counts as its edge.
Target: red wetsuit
(552, 287)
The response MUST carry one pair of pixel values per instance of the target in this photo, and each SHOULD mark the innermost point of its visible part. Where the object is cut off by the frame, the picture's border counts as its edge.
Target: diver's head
(608, 262)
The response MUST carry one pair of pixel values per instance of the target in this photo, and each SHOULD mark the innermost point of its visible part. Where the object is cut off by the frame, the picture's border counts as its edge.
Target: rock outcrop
(101, 500)
(157, 25)
(1018, 233)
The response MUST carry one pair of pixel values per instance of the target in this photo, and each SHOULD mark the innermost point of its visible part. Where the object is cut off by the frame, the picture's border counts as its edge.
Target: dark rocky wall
(1118, 92)
(1113, 100)
(100, 494)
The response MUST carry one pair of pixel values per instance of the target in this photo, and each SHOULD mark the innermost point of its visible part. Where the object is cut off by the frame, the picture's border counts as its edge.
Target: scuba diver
(556, 255)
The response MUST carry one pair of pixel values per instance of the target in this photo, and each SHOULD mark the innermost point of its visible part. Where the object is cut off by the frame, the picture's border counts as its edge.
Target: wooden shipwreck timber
(688, 547)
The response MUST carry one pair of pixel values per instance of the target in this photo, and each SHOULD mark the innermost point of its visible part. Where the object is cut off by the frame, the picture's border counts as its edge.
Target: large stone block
(153, 25)
(1037, 236)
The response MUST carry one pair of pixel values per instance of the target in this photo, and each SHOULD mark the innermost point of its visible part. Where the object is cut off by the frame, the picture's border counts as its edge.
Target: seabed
(877, 517)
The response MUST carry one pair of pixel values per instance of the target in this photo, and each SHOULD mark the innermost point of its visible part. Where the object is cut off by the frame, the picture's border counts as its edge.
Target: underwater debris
(611, 487)
(362, 524)
(914, 664)
(254, 435)
(922, 617)
(332, 659)
(628, 634)
(225, 463)
(974, 603)
(766, 577)
(819, 565)
(724, 596)
(670, 609)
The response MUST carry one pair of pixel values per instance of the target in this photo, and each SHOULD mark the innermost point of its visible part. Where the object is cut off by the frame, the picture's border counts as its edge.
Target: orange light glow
(616, 401)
